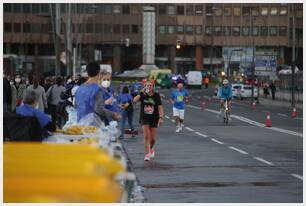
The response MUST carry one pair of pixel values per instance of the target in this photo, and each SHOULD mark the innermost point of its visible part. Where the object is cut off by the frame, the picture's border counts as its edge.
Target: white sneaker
(229, 118)
(181, 128)
(152, 153)
(177, 129)
(147, 157)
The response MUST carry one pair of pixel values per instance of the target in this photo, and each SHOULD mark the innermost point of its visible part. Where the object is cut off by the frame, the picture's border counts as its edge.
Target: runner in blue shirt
(179, 97)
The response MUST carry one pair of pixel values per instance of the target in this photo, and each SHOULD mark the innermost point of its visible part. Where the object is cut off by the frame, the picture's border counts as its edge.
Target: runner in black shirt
(151, 116)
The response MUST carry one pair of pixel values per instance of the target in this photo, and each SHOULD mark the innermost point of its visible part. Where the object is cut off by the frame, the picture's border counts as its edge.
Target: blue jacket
(225, 93)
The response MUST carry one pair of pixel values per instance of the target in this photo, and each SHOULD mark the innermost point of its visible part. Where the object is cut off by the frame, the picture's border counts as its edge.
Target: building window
(26, 28)
(208, 30)
(299, 33)
(273, 11)
(218, 12)
(17, 27)
(264, 31)
(116, 9)
(264, 11)
(89, 28)
(246, 11)
(44, 8)
(245, 31)
(283, 31)
(273, 30)
(171, 29)
(199, 29)
(171, 10)
(80, 28)
(162, 29)
(7, 7)
(126, 9)
(108, 9)
(126, 28)
(227, 11)
(117, 29)
(227, 31)
(209, 10)
(189, 29)
(218, 30)
(180, 10)
(16, 8)
(237, 11)
(98, 28)
(255, 11)
(135, 29)
(35, 8)
(134, 10)
(189, 10)
(26, 8)
(162, 9)
(108, 29)
(283, 11)
(236, 31)
(199, 10)
(36, 28)
(46, 28)
(180, 29)
(255, 31)
(7, 27)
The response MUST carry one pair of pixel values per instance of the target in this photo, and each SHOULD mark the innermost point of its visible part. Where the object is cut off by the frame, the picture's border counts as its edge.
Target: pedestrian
(42, 99)
(78, 83)
(266, 90)
(54, 97)
(88, 97)
(7, 93)
(151, 116)
(29, 108)
(178, 99)
(206, 82)
(125, 100)
(20, 89)
(273, 89)
(48, 83)
(14, 96)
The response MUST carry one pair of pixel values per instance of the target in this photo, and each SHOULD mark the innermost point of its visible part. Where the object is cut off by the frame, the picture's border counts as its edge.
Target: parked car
(236, 88)
(194, 78)
(246, 91)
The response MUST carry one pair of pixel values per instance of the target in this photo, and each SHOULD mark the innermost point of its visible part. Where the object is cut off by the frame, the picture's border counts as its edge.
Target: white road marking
(238, 150)
(264, 161)
(194, 107)
(217, 141)
(167, 116)
(189, 129)
(297, 176)
(283, 115)
(198, 133)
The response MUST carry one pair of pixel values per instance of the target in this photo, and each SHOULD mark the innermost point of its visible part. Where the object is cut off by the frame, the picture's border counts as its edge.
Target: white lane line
(167, 116)
(217, 141)
(238, 150)
(297, 176)
(200, 134)
(189, 129)
(283, 115)
(264, 161)
(194, 107)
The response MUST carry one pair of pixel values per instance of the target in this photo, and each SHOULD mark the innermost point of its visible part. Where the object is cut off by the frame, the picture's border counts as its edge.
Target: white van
(194, 78)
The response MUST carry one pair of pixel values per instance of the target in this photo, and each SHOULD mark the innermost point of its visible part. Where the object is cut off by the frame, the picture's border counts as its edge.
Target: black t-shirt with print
(149, 107)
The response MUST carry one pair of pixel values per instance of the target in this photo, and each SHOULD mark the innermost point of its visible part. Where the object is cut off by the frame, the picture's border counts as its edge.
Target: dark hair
(93, 69)
(30, 96)
(81, 81)
(125, 90)
(59, 81)
(35, 81)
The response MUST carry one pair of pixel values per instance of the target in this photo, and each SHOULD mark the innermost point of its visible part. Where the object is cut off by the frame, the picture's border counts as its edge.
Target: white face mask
(11, 83)
(17, 80)
(36, 106)
(69, 81)
(105, 84)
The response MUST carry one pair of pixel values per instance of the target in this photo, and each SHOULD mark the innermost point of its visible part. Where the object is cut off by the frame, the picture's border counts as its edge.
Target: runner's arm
(99, 107)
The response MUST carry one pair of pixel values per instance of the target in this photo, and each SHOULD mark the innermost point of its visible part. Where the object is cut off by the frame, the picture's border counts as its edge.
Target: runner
(178, 98)
(151, 116)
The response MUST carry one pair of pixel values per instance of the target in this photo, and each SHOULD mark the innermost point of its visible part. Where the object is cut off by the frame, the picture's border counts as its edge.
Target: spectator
(206, 82)
(48, 84)
(54, 97)
(7, 94)
(42, 99)
(273, 89)
(78, 83)
(20, 89)
(125, 100)
(14, 96)
(30, 109)
(266, 90)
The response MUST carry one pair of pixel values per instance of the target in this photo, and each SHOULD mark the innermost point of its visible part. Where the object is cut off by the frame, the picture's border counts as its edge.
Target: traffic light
(178, 44)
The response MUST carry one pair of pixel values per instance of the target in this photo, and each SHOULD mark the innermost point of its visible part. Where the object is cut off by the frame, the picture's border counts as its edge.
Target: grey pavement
(212, 162)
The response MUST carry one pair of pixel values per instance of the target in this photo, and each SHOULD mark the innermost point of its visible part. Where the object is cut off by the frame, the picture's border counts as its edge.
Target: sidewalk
(269, 101)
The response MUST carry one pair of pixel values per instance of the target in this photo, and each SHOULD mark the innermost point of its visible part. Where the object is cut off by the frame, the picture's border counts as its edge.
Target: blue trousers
(126, 115)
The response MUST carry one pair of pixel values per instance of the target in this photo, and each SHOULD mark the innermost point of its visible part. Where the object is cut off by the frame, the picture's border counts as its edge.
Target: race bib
(180, 98)
(148, 109)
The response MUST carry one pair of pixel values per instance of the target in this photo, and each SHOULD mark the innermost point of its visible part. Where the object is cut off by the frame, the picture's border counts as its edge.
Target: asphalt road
(242, 162)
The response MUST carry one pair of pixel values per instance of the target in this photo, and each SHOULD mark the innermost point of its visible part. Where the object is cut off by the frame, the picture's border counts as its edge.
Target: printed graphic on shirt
(148, 109)
(180, 98)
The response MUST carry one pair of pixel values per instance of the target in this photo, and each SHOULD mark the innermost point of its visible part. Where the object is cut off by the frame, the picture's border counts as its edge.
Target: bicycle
(225, 112)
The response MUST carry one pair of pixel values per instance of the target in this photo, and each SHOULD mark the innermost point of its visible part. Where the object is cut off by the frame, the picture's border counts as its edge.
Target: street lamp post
(253, 59)
(293, 57)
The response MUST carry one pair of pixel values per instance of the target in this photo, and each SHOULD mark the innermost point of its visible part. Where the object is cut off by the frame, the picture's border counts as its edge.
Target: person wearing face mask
(88, 97)
(29, 108)
(42, 99)
(151, 116)
(14, 96)
(225, 93)
(178, 99)
(20, 89)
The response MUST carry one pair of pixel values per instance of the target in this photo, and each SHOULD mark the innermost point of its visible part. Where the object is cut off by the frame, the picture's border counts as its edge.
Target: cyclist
(225, 93)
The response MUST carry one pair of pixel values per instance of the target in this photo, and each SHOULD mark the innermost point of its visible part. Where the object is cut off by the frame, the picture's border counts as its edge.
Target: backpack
(21, 128)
